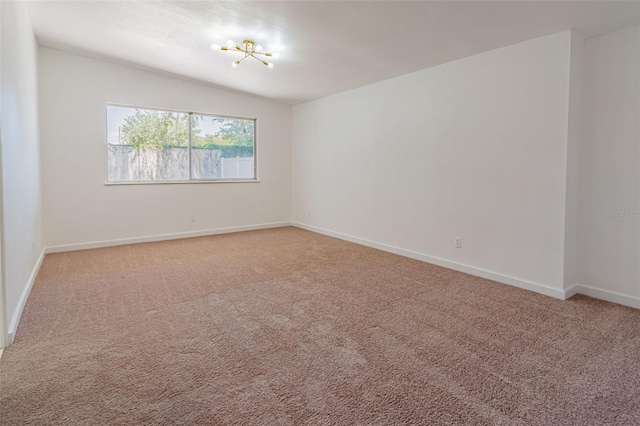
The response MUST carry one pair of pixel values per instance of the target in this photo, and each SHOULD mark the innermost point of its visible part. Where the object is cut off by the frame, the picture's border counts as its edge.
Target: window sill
(182, 182)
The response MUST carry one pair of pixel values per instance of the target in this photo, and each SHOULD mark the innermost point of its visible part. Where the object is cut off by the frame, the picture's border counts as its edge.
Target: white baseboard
(609, 296)
(163, 237)
(571, 291)
(13, 326)
(505, 279)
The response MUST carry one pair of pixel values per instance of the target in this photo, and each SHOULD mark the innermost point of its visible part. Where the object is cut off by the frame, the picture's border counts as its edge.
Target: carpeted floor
(285, 326)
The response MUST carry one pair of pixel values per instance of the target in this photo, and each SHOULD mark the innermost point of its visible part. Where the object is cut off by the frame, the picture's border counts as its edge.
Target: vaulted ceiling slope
(327, 47)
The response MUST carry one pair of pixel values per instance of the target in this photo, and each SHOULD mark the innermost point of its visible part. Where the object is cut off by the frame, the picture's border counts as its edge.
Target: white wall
(21, 188)
(475, 148)
(609, 246)
(79, 208)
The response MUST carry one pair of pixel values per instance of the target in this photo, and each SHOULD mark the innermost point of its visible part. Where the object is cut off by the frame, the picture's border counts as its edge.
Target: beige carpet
(286, 326)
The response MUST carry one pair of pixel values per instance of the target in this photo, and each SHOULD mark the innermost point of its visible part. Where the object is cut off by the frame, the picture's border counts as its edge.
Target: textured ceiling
(326, 47)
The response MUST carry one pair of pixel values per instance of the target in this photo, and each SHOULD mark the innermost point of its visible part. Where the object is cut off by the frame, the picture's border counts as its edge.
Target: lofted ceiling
(326, 46)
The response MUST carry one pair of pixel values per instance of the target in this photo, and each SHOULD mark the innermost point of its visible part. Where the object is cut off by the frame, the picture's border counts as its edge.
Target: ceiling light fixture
(249, 48)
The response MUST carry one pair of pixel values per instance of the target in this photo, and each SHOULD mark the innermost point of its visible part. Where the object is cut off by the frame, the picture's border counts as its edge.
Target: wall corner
(574, 113)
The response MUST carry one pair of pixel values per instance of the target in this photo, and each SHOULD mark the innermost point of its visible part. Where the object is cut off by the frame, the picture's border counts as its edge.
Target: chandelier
(248, 48)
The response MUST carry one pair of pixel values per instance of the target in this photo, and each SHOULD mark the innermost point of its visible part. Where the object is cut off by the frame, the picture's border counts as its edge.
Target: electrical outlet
(193, 217)
(457, 242)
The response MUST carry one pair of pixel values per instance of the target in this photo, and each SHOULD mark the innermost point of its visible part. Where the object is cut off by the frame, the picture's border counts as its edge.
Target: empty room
(320, 212)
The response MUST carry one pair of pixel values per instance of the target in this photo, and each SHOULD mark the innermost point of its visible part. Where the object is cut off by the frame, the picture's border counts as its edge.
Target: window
(152, 145)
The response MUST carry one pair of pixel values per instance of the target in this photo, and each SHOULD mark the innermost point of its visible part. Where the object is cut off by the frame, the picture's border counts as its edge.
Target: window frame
(191, 180)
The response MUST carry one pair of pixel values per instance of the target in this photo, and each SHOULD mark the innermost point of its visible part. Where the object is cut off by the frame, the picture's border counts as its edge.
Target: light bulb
(258, 48)
(275, 55)
(215, 46)
(230, 43)
(270, 65)
(235, 64)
